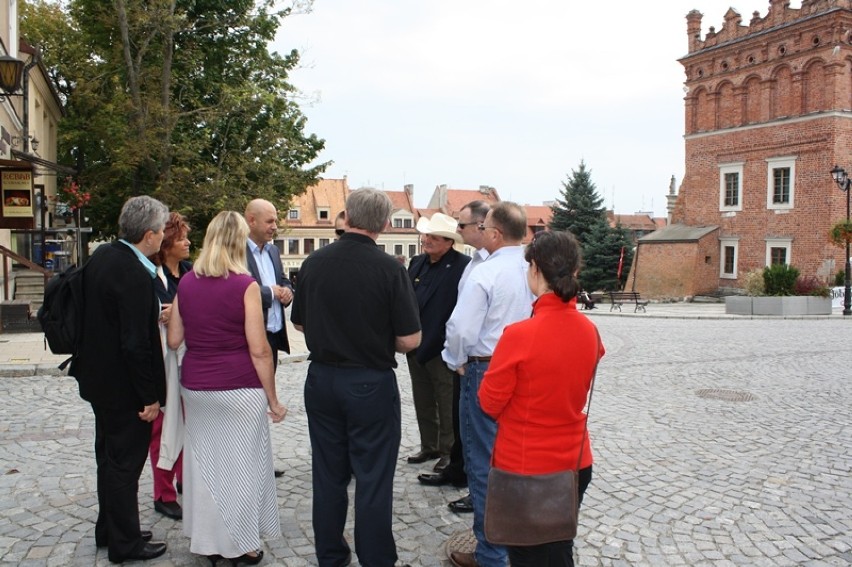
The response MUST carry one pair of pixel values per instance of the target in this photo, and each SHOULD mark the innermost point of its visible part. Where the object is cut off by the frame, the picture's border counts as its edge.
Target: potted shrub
(779, 290)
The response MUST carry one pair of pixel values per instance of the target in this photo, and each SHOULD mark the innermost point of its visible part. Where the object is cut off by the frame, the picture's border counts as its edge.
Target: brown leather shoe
(461, 559)
(442, 463)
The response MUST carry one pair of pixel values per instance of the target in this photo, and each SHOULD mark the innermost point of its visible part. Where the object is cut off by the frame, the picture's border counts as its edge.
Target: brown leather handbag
(525, 510)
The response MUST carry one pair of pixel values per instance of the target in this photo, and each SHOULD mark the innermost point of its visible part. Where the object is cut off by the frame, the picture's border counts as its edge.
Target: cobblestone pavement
(717, 442)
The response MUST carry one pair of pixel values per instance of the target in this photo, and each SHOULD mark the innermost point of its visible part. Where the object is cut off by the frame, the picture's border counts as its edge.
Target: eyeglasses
(339, 231)
(483, 227)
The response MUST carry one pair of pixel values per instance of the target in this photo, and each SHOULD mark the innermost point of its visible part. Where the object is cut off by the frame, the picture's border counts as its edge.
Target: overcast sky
(507, 94)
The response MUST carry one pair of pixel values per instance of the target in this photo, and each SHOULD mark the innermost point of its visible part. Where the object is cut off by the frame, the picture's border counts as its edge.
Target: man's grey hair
(478, 210)
(139, 215)
(368, 209)
(511, 219)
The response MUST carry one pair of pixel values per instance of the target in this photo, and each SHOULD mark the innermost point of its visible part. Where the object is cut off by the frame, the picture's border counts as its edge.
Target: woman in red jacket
(538, 382)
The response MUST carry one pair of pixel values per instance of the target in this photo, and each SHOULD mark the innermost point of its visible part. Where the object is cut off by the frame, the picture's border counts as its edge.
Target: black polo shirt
(353, 300)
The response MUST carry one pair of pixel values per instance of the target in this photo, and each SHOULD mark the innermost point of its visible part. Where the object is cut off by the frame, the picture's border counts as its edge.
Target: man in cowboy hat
(435, 275)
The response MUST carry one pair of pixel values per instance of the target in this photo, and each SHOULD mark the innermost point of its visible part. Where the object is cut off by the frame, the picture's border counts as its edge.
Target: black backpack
(61, 314)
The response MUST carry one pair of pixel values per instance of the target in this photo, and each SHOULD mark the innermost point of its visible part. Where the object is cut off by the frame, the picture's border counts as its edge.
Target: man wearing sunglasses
(494, 295)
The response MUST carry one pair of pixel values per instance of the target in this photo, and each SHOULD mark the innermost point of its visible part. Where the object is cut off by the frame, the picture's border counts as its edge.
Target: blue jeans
(478, 432)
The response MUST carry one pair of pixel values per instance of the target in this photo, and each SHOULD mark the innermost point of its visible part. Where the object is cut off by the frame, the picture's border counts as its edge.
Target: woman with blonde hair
(228, 383)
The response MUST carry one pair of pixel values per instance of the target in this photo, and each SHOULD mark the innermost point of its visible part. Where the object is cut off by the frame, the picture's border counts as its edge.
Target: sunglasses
(482, 227)
(339, 231)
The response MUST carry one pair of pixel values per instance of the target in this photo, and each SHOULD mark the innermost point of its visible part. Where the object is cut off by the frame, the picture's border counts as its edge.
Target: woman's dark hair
(558, 257)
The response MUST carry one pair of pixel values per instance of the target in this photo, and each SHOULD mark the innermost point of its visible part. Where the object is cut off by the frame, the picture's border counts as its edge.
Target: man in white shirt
(264, 263)
(494, 295)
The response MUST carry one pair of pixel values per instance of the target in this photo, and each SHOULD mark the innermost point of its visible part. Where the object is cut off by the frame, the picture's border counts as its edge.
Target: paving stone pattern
(759, 475)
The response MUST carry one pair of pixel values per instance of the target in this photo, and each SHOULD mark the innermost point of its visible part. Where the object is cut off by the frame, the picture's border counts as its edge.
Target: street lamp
(843, 181)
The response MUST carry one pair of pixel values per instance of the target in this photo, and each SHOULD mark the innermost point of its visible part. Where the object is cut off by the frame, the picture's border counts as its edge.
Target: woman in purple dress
(228, 389)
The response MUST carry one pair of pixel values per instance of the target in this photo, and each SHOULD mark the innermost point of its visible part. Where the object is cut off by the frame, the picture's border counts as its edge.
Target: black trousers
(355, 429)
(121, 450)
(556, 554)
(455, 470)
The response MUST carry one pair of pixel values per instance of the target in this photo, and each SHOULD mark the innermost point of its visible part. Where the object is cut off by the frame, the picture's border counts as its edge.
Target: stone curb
(52, 369)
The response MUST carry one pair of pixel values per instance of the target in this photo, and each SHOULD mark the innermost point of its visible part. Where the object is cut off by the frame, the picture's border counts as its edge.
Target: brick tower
(768, 113)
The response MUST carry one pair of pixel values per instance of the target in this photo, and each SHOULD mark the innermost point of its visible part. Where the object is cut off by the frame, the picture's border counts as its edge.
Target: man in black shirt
(357, 307)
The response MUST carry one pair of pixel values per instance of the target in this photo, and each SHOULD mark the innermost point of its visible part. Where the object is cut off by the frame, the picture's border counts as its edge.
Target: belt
(478, 359)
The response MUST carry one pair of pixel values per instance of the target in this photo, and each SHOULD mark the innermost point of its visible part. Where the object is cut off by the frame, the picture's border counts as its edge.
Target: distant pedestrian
(228, 390)
(356, 306)
(120, 371)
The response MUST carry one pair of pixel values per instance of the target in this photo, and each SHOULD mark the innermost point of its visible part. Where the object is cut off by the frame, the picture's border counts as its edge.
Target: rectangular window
(779, 251)
(781, 186)
(732, 189)
(407, 223)
(729, 260)
(397, 249)
(729, 254)
(781, 183)
(381, 247)
(322, 214)
(324, 242)
(412, 250)
(309, 245)
(294, 214)
(293, 246)
(397, 223)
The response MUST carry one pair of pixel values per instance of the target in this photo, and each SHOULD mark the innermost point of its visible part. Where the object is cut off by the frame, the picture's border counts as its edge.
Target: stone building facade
(768, 113)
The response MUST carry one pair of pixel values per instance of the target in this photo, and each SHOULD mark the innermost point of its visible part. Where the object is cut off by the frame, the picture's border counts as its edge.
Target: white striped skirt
(229, 497)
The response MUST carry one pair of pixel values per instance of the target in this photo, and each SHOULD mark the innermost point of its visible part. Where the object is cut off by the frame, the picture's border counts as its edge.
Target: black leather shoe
(248, 559)
(278, 473)
(441, 479)
(422, 457)
(170, 509)
(146, 535)
(462, 505)
(149, 551)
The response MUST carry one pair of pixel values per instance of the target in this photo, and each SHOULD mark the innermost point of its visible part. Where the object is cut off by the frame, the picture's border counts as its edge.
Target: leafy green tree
(580, 208)
(178, 99)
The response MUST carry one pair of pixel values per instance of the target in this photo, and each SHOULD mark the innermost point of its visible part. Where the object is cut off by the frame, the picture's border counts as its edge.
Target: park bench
(618, 298)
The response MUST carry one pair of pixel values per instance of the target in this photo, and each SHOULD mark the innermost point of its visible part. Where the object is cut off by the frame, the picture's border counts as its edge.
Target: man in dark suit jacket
(120, 371)
(264, 264)
(435, 276)
(276, 291)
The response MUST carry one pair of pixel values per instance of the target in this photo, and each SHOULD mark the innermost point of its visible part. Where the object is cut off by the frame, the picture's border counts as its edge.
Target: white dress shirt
(495, 294)
(266, 270)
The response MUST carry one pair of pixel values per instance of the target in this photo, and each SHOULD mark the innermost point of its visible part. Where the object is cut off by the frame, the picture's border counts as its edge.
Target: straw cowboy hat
(439, 225)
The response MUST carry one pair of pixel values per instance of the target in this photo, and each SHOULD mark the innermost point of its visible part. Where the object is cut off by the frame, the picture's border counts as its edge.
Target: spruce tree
(580, 208)
(580, 211)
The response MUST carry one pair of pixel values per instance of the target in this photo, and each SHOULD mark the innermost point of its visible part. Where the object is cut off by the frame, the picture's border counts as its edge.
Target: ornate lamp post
(843, 181)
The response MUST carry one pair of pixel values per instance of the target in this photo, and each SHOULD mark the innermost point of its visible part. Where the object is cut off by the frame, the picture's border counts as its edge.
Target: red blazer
(536, 388)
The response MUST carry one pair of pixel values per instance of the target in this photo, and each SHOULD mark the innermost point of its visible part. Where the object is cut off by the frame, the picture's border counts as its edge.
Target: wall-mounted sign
(17, 192)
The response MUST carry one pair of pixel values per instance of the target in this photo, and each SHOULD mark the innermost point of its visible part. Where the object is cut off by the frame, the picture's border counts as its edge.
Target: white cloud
(509, 94)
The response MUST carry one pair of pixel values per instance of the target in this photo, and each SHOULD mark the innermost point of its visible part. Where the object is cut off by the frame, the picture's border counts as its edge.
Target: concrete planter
(738, 305)
(794, 305)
